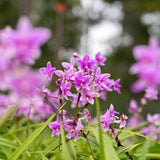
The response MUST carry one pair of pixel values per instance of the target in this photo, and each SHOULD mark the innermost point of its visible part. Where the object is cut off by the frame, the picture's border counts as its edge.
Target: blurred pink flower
(147, 67)
(100, 60)
(27, 40)
(48, 71)
(151, 93)
(133, 106)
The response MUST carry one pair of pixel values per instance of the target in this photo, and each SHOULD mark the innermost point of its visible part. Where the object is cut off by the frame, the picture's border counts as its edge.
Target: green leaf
(51, 147)
(44, 157)
(8, 114)
(91, 158)
(68, 151)
(15, 130)
(7, 143)
(101, 146)
(127, 148)
(130, 133)
(110, 152)
(93, 141)
(150, 155)
(145, 147)
(29, 140)
(153, 155)
(6, 151)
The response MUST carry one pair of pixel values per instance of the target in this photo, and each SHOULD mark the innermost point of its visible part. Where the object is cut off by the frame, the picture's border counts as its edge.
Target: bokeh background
(89, 26)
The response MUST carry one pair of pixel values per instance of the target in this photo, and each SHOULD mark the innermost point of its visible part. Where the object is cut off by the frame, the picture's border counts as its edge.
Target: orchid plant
(80, 84)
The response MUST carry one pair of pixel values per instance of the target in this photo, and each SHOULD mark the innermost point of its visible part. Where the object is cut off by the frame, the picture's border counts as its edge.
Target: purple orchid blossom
(151, 93)
(86, 63)
(75, 55)
(67, 65)
(154, 119)
(133, 106)
(27, 40)
(111, 111)
(86, 116)
(65, 87)
(105, 121)
(100, 60)
(48, 71)
(81, 80)
(55, 126)
(74, 132)
(101, 80)
(117, 86)
(89, 95)
(147, 66)
(108, 117)
(122, 121)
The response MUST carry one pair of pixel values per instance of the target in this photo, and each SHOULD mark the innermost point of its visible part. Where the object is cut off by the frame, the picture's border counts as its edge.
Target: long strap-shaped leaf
(146, 146)
(8, 114)
(101, 146)
(29, 140)
(110, 153)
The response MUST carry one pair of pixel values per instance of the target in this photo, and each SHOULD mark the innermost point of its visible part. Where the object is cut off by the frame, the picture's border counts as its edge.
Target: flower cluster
(18, 49)
(154, 125)
(72, 126)
(22, 44)
(80, 82)
(109, 117)
(136, 118)
(147, 67)
(135, 111)
(82, 79)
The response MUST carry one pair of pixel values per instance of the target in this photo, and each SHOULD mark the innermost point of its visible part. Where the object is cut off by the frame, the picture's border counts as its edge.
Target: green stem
(28, 121)
(90, 146)
(102, 156)
(140, 115)
(76, 110)
(60, 99)
(59, 148)
(88, 110)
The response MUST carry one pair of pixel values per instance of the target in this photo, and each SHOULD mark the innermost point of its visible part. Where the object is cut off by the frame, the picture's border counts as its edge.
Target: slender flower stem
(59, 148)
(28, 121)
(89, 144)
(60, 138)
(140, 113)
(50, 96)
(73, 86)
(71, 115)
(102, 157)
(55, 82)
(119, 132)
(76, 110)
(88, 110)
(61, 109)
(119, 144)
